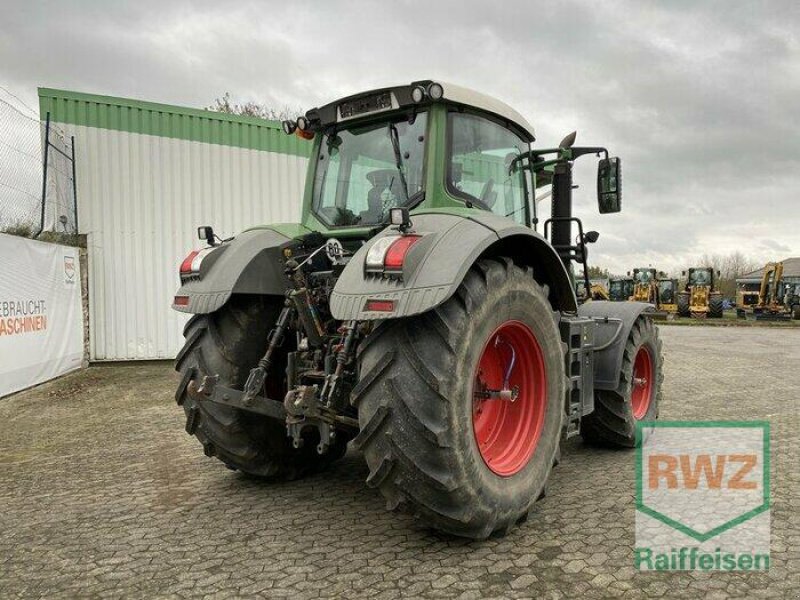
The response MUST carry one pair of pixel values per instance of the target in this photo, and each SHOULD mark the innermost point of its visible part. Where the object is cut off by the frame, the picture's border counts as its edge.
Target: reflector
(379, 305)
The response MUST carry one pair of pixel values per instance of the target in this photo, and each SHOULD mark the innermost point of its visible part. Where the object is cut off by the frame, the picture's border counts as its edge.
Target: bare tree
(731, 267)
(254, 109)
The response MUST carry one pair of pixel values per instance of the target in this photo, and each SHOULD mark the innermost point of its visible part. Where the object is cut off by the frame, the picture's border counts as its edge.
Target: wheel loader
(700, 298)
(416, 314)
(791, 300)
(620, 289)
(667, 295)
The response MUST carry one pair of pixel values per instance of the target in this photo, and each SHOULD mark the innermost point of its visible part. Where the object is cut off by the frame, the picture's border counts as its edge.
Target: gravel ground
(104, 495)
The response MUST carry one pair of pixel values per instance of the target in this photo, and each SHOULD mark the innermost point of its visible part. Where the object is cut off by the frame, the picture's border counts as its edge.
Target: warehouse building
(147, 175)
(748, 285)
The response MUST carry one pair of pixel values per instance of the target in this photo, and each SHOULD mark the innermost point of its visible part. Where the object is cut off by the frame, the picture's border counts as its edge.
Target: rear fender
(437, 264)
(251, 263)
(613, 324)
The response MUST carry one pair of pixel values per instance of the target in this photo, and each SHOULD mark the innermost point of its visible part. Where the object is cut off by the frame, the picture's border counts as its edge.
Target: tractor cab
(700, 276)
(439, 148)
(620, 289)
(424, 146)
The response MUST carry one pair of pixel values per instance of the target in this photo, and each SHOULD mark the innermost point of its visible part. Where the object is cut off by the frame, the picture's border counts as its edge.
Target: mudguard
(613, 324)
(251, 263)
(436, 265)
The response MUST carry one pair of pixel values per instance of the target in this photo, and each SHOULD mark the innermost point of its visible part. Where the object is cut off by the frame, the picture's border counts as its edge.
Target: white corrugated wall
(140, 200)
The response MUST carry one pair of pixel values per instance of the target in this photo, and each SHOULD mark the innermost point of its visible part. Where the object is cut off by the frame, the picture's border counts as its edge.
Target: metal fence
(59, 198)
(37, 174)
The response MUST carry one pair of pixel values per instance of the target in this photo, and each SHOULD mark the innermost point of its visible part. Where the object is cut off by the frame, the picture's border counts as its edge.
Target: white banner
(41, 317)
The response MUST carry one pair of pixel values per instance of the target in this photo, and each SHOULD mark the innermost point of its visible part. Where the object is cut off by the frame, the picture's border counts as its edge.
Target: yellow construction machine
(645, 285)
(700, 298)
(771, 304)
(620, 289)
(653, 286)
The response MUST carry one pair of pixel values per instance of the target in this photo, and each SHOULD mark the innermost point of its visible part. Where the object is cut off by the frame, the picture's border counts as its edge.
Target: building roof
(791, 269)
(166, 120)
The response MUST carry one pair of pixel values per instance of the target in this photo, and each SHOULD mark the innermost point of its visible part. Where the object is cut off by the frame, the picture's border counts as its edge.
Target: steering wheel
(486, 193)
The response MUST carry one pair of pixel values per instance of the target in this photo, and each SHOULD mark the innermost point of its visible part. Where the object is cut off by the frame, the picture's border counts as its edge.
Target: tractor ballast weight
(416, 312)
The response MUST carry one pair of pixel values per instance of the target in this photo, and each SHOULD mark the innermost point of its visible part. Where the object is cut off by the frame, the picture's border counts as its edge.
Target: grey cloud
(699, 99)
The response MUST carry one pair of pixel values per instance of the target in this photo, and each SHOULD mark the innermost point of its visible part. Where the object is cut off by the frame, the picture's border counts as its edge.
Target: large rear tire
(683, 304)
(638, 396)
(228, 343)
(435, 444)
(715, 306)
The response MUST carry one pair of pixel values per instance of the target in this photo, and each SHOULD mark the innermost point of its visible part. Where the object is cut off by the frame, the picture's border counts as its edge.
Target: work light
(289, 127)
(418, 94)
(435, 91)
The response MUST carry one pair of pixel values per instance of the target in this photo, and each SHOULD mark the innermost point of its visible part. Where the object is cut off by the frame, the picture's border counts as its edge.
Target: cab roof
(396, 97)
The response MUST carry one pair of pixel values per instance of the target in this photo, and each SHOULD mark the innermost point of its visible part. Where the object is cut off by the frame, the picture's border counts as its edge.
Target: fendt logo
(702, 496)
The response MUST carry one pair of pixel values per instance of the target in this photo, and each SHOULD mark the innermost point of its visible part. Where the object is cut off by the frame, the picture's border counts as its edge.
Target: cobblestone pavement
(102, 494)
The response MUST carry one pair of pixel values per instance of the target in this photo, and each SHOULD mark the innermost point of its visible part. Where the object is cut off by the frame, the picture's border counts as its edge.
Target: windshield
(643, 276)
(362, 172)
(699, 277)
(620, 289)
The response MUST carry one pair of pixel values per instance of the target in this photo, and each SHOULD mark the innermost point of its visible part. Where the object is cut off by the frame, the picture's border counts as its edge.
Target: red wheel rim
(507, 431)
(642, 392)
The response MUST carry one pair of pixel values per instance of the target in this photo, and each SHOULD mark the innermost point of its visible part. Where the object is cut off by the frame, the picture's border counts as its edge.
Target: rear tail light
(181, 301)
(388, 253)
(191, 264)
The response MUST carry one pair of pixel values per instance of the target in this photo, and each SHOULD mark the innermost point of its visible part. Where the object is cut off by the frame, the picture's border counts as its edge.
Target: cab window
(482, 169)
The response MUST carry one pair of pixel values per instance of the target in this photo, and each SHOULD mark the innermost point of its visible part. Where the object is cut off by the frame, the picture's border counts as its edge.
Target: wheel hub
(509, 395)
(642, 391)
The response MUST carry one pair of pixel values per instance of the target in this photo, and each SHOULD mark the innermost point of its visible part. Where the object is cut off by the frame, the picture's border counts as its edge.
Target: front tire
(427, 448)
(638, 395)
(683, 304)
(228, 343)
(715, 306)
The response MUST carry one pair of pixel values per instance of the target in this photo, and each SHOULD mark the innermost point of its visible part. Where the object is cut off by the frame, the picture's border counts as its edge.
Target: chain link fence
(37, 174)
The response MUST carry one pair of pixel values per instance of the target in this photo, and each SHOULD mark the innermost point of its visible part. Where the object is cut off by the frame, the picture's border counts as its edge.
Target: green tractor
(416, 312)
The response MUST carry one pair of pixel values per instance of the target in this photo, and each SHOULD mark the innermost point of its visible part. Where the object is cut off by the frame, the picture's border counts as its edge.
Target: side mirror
(206, 232)
(609, 185)
(590, 237)
(683, 273)
(719, 273)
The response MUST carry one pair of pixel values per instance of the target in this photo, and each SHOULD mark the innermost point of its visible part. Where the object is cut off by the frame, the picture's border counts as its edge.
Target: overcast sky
(701, 100)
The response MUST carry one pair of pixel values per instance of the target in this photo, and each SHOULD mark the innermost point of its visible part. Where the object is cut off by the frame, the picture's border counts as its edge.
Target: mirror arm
(539, 166)
(580, 151)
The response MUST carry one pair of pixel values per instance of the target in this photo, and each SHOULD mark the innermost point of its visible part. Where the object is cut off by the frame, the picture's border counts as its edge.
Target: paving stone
(103, 495)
